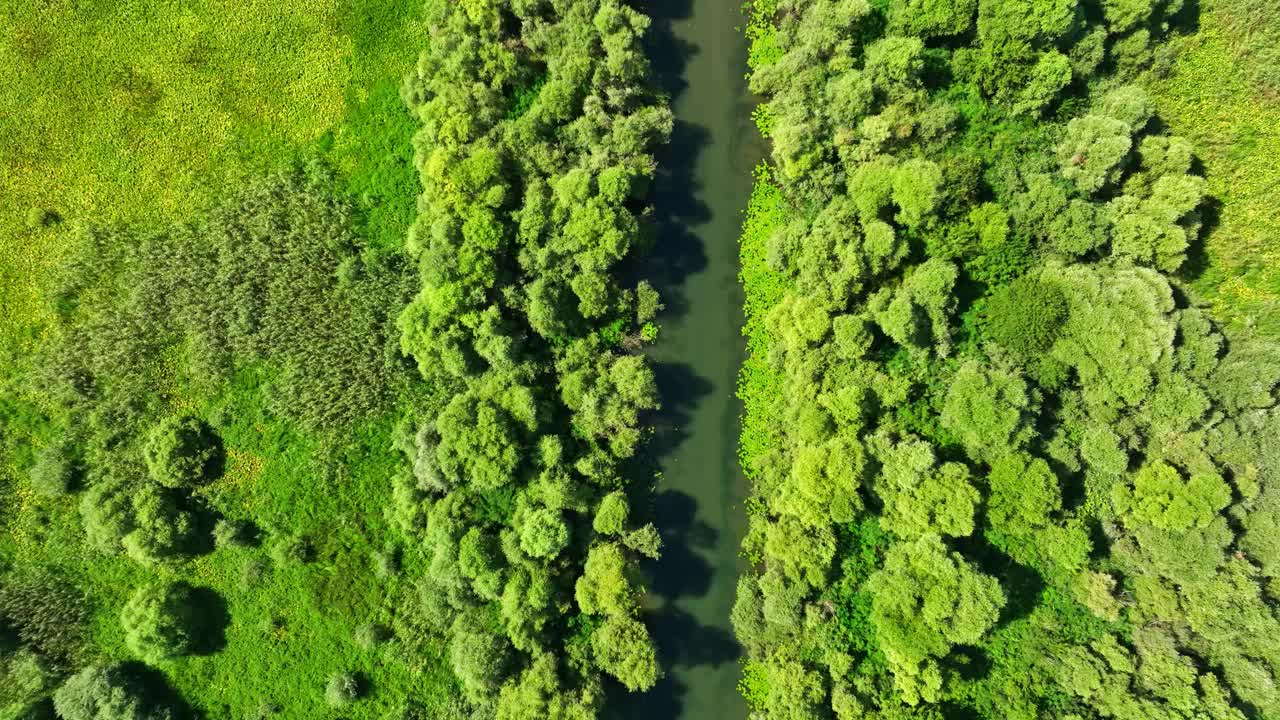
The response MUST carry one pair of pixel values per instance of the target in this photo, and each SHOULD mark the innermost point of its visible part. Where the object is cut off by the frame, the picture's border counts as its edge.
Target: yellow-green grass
(1236, 131)
(143, 110)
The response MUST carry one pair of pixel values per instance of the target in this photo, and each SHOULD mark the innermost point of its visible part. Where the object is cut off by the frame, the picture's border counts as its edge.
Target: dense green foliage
(534, 155)
(1004, 464)
(325, 395)
(188, 372)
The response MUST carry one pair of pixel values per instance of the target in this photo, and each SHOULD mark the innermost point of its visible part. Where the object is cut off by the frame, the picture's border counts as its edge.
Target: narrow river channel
(702, 187)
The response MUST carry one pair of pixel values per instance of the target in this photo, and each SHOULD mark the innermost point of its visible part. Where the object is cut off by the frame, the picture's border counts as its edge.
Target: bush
(255, 571)
(25, 682)
(163, 528)
(232, 533)
(371, 635)
(180, 451)
(386, 562)
(38, 218)
(291, 549)
(160, 621)
(342, 690)
(265, 711)
(1025, 315)
(53, 473)
(98, 693)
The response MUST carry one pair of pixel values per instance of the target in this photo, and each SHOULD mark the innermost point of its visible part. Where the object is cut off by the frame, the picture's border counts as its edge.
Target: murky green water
(703, 185)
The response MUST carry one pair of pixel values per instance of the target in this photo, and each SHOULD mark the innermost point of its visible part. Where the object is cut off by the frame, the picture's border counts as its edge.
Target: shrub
(98, 693)
(291, 550)
(53, 473)
(264, 711)
(371, 635)
(254, 572)
(386, 562)
(25, 682)
(160, 621)
(342, 689)
(163, 528)
(180, 451)
(38, 218)
(232, 533)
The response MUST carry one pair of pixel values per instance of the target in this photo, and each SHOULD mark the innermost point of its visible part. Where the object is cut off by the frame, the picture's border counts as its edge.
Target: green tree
(481, 659)
(1024, 494)
(917, 313)
(481, 561)
(106, 511)
(823, 483)
(1026, 315)
(930, 18)
(894, 64)
(917, 186)
(1160, 496)
(605, 585)
(924, 601)
(479, 442)
(539, 692)
(803, 552)
(624, 649)
(988, 410)
(795, 691)
(611, 515)
(544, 534)
(1093, 151)
(607, 393)
(163, 529)
(645, 540)
(922, 497)
(1048, 77)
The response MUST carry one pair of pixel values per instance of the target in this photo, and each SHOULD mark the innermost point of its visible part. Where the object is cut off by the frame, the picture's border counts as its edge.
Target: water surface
(703, 183)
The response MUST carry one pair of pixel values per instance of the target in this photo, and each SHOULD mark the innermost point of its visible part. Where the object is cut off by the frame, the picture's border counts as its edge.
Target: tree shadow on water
(680, 389)
(682, 641)
(680, 572)
(668, 53)
(678, 252)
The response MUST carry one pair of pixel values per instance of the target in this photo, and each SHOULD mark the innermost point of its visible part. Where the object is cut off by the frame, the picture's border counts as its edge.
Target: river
(701, 189)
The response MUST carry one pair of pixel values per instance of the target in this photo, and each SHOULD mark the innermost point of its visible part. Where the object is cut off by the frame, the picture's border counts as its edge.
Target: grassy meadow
(146, 113)
(1232, 118)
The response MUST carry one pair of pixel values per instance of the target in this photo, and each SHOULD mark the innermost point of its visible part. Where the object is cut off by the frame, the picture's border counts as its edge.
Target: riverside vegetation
(325, 395)
(1006, 462)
